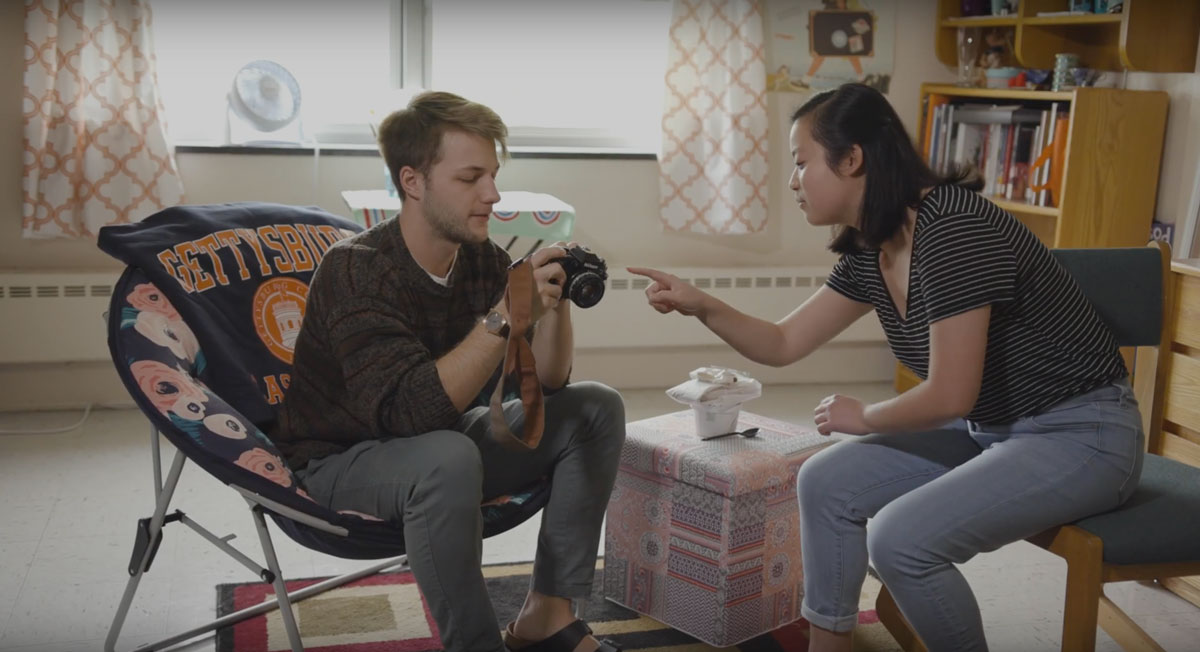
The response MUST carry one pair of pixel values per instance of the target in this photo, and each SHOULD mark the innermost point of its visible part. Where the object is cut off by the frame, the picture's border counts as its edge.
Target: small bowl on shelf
(1000, 77)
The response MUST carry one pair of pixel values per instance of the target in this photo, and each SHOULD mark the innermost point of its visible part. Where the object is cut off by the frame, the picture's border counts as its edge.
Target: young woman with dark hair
(1024, 418)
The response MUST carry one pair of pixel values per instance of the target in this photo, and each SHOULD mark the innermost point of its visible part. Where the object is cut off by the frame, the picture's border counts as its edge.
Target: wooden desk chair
(1156, 534)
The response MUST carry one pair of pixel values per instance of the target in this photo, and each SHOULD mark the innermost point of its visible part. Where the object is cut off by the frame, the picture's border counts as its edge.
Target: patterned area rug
(387, 613)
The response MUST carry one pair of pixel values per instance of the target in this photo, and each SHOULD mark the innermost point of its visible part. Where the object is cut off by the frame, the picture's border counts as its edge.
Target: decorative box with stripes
(703, 535)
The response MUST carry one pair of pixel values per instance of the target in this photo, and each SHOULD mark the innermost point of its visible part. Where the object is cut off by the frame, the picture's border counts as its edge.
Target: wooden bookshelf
(1093, 19)
(980, 21)
(1149, 35)
(1022, 208)
(1007, 94)
(1110, 169)
(1110, 175)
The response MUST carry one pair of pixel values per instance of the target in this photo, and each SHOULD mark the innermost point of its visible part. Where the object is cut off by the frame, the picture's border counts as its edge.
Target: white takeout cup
(715, 421)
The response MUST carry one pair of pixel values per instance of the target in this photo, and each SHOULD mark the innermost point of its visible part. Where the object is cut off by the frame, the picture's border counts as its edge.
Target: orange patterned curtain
(713, 164)
(95, 142)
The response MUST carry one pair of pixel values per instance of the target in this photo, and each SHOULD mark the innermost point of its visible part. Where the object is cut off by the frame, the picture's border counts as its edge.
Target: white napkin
(716, 388)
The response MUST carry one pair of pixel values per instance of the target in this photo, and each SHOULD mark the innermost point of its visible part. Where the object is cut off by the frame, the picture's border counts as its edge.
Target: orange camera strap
(518, 358)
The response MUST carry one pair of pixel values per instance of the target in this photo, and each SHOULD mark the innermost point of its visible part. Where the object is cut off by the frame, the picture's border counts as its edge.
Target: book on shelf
(1018, 174)
(933, 100)
(970, 143)
(996, 114)
(1006, 161)
(1039, 141)
(1047, 168)
(1040, 166)
(937, 136)
(1016, 149)
(947, 142)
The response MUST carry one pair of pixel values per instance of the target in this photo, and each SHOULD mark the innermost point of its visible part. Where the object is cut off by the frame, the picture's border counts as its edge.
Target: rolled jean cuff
(573, 591)
(839, 624)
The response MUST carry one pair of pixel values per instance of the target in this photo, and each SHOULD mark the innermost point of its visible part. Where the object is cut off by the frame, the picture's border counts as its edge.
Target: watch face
(494, 322)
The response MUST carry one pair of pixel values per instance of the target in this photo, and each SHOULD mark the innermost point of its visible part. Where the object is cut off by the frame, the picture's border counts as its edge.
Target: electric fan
(265, 97)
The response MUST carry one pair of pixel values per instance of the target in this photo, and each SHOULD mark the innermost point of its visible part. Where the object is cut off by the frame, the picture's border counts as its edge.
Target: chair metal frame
(150, 531)
(1085, 604)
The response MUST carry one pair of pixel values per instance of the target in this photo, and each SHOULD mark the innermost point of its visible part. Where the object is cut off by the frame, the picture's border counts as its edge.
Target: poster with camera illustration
(814, 44)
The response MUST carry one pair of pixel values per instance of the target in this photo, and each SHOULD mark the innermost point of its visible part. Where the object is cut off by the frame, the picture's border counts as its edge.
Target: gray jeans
(435, 482)
(937, 498)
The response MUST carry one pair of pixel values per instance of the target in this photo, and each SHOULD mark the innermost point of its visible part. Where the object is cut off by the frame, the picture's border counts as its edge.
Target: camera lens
(586, 290)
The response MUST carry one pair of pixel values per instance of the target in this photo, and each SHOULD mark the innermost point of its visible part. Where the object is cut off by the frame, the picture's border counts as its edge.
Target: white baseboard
(59, 386)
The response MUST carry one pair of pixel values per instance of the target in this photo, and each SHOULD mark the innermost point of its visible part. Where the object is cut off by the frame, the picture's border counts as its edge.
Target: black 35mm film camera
(586, 276)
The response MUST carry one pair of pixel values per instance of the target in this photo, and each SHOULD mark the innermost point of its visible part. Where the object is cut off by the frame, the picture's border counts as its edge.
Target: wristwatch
(496, 323)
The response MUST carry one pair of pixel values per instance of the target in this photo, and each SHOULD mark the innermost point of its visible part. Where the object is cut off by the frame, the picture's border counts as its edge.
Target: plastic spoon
(748, 433)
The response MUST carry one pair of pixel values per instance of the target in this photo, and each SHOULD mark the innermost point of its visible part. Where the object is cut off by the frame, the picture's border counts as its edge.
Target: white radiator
(58, 317)
(54, 317)
(623, 318)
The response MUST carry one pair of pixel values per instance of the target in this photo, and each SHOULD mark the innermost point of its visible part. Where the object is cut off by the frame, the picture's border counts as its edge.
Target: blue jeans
(433, 484)
(936, 498)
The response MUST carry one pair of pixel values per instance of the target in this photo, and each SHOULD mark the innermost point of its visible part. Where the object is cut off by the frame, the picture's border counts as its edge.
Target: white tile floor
(70, 502)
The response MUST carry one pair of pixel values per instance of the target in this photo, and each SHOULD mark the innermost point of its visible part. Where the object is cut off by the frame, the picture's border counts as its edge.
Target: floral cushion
(159, 360)
(238, 274)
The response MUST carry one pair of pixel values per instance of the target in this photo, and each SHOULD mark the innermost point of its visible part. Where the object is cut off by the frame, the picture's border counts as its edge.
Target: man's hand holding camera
(549, 276)
(563, 273)
(561, 270)
(566, 270)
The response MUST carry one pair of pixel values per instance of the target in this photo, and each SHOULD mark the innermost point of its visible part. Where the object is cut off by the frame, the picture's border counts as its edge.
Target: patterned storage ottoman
(703, 535)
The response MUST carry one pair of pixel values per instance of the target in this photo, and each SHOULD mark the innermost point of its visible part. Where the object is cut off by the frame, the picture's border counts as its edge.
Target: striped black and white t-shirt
(1045, 342)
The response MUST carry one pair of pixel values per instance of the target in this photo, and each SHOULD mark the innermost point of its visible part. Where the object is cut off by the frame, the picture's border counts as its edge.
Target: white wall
(1181, 156)
(616, 200)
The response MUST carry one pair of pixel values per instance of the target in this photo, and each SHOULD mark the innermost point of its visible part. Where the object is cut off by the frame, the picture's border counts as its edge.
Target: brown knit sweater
(374, 325)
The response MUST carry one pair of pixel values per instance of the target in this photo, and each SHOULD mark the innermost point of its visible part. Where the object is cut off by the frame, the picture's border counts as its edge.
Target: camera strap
(518, 358)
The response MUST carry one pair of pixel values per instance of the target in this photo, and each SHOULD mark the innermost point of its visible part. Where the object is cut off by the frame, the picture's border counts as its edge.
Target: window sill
(523, 152)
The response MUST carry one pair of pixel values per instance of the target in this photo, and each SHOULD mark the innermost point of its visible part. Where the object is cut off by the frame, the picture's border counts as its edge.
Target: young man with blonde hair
(404, 327)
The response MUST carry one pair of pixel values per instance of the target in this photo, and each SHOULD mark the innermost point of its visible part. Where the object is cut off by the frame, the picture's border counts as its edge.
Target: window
(562, 73)
(593, 70)
(339, 52)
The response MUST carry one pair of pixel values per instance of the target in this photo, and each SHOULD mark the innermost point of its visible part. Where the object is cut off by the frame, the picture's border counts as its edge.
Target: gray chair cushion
(1160, 523)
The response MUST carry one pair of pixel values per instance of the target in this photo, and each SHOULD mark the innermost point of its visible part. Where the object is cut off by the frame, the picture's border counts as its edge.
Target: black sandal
(564, 640)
